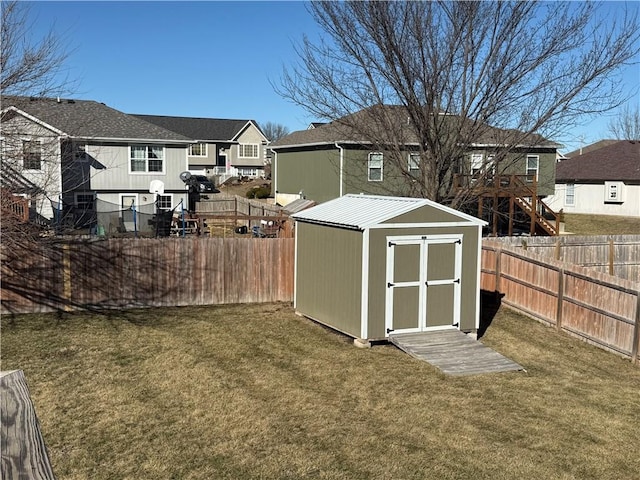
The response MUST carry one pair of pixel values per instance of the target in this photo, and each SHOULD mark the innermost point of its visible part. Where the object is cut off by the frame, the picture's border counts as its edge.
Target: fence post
(636, 332)
(66, 276)
(558, 248)
(611, 255)
(560, 298)
(498, 267)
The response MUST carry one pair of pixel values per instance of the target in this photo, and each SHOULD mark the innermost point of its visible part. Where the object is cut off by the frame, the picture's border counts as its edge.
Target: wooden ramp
(24, 454)
(453, 352)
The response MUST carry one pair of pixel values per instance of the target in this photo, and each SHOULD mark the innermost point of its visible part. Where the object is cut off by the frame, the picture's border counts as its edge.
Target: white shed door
(423, 277)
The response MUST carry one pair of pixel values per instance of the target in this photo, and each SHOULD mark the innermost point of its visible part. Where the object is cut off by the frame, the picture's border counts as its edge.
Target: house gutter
(341, 149)
(133, 140)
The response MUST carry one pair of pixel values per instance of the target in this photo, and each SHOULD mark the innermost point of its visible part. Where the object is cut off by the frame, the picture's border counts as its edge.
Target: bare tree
(454, 68)
(29, 67)
(34, 68)
(274, 131)
(626, 126)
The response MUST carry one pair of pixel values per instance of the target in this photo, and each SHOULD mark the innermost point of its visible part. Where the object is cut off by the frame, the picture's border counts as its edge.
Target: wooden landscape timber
(24, 453)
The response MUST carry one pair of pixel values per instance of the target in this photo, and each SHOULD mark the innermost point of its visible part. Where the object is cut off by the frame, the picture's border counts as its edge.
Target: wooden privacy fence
(617, 255)
(237, 205)
(120, 273)
(597, 307)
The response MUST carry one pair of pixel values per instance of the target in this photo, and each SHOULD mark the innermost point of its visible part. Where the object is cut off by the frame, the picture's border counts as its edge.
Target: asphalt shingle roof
(617, 161)
(341, 132)
(90, 119)
(590, 148)
(212, 129)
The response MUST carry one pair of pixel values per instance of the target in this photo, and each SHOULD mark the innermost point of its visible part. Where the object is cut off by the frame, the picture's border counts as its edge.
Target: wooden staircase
(510, 204)
(538, 219)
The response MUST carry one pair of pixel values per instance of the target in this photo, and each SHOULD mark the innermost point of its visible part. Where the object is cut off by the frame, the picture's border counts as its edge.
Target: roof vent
(71, 101)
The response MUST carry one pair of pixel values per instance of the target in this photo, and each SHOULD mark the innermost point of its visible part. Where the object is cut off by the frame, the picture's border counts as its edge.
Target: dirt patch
(241, 187)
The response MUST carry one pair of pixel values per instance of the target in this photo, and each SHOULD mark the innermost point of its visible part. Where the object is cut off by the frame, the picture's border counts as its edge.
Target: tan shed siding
(328, 277)
(426, 214)
(377, 273)
(316, 173)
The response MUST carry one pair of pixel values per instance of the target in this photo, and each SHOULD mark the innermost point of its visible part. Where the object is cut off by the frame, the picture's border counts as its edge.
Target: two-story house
(329, 160)
(222, 147)
(91, 158)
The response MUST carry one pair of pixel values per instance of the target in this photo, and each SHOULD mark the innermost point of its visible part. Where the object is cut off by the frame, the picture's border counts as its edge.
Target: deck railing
(15, 206)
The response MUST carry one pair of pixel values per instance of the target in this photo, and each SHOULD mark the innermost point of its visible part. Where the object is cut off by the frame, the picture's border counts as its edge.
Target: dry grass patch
(581, 224)
(257, 392)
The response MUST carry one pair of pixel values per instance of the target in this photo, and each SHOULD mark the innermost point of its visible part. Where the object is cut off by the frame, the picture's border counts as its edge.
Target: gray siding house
(87, 157)
(221, 147)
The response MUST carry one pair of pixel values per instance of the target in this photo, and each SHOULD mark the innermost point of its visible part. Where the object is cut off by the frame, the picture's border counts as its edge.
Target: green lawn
(256, 392)
(581, 224)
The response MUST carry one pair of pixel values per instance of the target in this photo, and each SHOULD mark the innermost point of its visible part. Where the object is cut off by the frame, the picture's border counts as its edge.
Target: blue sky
(202, 59)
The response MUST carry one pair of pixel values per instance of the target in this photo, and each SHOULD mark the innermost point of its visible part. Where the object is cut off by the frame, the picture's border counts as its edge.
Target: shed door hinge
(389, 330)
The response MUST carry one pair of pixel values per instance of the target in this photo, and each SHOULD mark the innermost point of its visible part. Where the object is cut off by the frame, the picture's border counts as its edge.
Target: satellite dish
(156, 186)
(185, 176)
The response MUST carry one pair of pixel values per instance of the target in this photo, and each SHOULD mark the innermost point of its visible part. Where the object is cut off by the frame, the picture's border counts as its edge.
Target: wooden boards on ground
(453, 352)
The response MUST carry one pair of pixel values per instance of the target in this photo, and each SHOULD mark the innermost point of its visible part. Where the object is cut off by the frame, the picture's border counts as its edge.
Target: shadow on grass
(489, 305)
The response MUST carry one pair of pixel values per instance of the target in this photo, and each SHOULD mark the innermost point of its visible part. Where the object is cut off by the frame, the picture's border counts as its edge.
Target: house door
(423, 277)
(128, 212)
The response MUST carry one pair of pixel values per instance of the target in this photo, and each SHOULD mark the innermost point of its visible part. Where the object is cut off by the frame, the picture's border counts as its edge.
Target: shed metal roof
(363, 211)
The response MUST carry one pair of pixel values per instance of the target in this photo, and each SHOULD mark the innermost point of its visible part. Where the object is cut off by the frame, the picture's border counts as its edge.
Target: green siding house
(328, 161)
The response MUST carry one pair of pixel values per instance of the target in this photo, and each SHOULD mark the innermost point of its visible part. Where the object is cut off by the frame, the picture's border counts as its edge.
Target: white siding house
(604, 181)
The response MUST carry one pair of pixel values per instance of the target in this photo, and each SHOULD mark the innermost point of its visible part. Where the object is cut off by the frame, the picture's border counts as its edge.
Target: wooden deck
(453, 352)
(24, 454)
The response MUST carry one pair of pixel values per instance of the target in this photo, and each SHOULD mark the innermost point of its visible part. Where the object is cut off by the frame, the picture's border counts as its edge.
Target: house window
(248, 150)
(477, 162)
(198, 150)
(84, 201)
(375, 167)
(570, 194)
(165, 202)
(533, 165)
(32, 155)
(414, 162)
(147, 158)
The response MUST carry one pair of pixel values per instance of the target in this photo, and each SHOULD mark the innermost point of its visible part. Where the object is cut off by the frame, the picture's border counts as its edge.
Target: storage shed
(371, 265)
